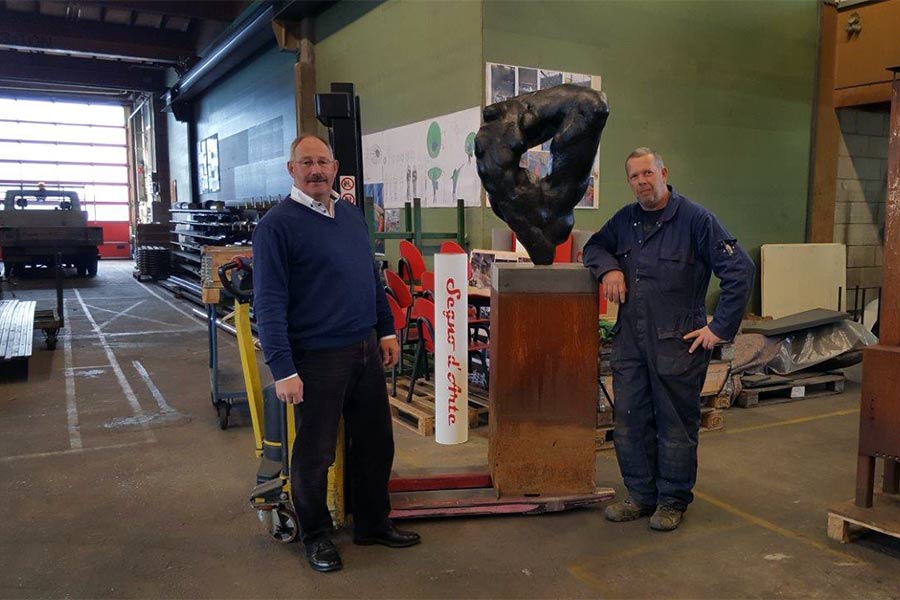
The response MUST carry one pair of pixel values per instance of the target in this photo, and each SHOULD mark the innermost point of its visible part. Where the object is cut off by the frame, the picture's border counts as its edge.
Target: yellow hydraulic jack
(273, 423)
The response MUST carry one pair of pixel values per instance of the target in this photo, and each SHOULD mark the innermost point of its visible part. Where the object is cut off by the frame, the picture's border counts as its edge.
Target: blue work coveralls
(656, 382)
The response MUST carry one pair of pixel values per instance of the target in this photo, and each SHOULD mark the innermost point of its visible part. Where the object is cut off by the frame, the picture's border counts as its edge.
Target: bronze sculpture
(539, 211)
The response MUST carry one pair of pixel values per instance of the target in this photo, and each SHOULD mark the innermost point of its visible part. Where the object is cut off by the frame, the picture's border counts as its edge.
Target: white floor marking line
(72, 451)
(120, 375)
(71, 403)
(117, 315)
(88, 368)
(90, 336)
(157, 395)
(167, 301)
(122, 313)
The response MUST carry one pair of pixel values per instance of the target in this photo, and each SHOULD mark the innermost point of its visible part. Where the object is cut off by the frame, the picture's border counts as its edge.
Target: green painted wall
(409, 60)
(723, 89)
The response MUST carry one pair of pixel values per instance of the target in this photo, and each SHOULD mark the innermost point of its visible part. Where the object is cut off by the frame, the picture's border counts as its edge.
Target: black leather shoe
(323, 556)
(390, 537)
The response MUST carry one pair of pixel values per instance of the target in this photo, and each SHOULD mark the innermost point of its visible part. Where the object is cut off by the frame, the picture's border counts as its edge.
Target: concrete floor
(118, 483)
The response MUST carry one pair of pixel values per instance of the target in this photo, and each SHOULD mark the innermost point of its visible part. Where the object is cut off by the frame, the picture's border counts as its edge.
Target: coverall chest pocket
(675, 270)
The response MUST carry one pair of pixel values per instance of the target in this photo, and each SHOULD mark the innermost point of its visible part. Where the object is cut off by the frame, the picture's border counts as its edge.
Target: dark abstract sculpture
(539, 211)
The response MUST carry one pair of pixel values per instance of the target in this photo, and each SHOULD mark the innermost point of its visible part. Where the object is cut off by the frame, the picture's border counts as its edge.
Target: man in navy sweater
(327, 334)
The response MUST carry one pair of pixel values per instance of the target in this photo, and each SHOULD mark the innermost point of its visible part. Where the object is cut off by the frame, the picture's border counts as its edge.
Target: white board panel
(798, 277)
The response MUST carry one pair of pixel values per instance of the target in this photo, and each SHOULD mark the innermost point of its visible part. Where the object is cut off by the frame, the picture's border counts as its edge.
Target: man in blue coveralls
(654, 258)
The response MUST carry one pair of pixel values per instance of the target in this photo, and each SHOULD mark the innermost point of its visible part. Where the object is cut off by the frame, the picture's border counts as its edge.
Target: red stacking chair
(423, 312)
(451, 247)
(411, 266)
(400, 291)
(428, 285)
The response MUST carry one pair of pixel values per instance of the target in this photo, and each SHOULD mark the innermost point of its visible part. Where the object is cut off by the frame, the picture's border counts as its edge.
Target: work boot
(666, 518)
(627, 510)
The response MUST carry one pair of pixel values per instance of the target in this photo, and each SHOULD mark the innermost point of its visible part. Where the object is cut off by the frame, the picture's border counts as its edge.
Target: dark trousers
(657, 395)
(345, 381)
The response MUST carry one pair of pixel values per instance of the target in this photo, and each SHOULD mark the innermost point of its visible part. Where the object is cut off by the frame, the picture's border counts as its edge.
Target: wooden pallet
(720, 401)
(710, 420)
(418, 414)
(798, 389)
(883, 517)
(717, 375)
(724, 352)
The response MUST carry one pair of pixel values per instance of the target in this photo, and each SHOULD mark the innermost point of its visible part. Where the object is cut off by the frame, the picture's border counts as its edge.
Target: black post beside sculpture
(539, 211)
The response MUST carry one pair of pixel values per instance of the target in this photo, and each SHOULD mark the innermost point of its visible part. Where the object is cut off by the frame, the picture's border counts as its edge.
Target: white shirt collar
(298, 196)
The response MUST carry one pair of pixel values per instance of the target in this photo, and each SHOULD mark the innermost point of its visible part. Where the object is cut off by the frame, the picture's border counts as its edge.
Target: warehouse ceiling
(111, 47)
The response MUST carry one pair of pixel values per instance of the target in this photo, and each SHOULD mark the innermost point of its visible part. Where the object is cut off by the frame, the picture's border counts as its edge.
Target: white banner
(433, 160)
(451, 349)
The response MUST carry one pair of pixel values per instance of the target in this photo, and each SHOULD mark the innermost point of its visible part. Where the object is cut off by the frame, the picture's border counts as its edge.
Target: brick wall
(861, 193)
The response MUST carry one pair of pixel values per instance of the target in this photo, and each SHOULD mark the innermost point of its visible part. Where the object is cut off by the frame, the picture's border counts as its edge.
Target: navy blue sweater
(315, 283)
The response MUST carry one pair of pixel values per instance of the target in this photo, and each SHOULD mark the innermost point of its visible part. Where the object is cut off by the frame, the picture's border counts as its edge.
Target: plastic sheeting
(810, 347)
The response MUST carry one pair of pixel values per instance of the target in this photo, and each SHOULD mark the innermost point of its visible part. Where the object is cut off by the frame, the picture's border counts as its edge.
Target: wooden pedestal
(543, 379)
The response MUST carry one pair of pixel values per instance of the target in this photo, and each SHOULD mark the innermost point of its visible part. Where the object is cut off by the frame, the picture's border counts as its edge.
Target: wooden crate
(798, 389)
(211, 258)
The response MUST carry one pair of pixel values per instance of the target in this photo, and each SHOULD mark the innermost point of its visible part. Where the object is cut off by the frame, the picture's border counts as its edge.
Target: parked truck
(39, 227)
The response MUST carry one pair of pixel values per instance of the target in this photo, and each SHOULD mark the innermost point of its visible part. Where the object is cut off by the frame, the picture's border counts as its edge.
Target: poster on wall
(375, 191)
(208, 164)
(202, 165)
(507, 81)
(433, 160)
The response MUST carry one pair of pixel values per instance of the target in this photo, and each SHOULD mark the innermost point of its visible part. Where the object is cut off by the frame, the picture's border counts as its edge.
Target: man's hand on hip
(290, 390)
(703, 336)
(614, 286)
(390, 352)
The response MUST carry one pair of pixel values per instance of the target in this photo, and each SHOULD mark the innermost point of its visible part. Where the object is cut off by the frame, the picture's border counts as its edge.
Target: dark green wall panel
(251, 110)
(724, 90)
(409, 61)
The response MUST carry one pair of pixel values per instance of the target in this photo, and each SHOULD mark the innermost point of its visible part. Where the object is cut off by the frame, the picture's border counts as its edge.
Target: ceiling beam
(28, 67)
(41, 33)
(209, 10)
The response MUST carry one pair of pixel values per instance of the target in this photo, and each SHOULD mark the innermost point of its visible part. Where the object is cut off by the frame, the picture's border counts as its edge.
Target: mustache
(316, 179)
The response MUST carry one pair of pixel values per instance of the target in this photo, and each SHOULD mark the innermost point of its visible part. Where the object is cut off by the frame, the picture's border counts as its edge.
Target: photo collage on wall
(208, 162)
(507, 81)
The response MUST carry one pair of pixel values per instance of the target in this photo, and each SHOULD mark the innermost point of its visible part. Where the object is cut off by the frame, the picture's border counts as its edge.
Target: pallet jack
(424, 496)
(273, 422)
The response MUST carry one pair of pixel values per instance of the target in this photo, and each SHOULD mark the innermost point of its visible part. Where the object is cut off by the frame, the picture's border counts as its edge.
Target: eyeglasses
(306, 164)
